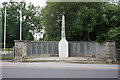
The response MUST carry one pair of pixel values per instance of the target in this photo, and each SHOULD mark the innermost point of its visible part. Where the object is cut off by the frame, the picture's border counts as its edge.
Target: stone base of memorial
(63, 48)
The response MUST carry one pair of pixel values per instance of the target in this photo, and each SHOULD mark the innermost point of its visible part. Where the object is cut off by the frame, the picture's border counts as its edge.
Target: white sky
(40, 3)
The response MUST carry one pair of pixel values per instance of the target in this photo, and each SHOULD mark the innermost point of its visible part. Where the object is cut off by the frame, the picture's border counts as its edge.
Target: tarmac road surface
(58, 70)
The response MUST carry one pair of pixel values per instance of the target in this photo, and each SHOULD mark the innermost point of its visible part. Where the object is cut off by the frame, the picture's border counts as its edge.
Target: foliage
(84, 21)
(110, 26)
(86, 24)
(31, 21)
(52, 18)
(46, 38)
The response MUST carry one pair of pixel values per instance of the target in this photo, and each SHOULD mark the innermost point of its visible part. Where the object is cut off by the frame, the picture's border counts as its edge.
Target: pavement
(58, 70)
(81, 60)
(58, 58)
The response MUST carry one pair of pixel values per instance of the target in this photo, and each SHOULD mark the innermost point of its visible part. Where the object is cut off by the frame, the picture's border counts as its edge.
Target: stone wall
(30, 49)
(109, 49)
(20, 49)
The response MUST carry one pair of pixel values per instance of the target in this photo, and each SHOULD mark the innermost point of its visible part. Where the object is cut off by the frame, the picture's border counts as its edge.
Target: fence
(8, 54)
(76, 49)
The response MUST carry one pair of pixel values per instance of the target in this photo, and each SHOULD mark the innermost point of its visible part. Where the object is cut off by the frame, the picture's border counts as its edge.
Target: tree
(31, 21)
(110, 25)
(86, 24)
(52, 18)
(84, 21)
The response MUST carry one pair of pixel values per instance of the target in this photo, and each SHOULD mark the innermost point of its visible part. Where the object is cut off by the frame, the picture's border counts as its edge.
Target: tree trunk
(88, 37)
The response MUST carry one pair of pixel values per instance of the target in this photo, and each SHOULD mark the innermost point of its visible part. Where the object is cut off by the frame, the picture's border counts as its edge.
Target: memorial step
(83, 60)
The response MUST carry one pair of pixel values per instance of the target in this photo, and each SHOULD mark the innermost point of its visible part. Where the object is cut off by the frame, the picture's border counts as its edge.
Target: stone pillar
(20, 49)
(105, 50)
(112, 49)
(63, 44)
(109, 49)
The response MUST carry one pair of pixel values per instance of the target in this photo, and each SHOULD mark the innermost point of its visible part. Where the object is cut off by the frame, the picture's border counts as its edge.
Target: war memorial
(64, 50)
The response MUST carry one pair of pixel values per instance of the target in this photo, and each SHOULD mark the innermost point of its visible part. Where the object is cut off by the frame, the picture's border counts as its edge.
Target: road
(58, 70)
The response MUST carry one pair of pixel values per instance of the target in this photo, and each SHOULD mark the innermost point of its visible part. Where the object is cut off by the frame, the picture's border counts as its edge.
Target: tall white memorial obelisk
(63, 44)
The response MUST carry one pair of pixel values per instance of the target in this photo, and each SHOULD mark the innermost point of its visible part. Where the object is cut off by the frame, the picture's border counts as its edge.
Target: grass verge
(6, 57)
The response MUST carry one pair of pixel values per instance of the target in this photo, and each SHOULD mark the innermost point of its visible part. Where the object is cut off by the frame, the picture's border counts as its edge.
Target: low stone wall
(92, 49)
(35, 49)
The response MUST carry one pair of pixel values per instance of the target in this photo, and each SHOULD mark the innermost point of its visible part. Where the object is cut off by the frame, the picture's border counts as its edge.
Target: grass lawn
(8, 54)
(6, 57)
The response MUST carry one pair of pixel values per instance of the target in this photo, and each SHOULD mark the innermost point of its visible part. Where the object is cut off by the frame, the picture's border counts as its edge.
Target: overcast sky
(40, 3)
